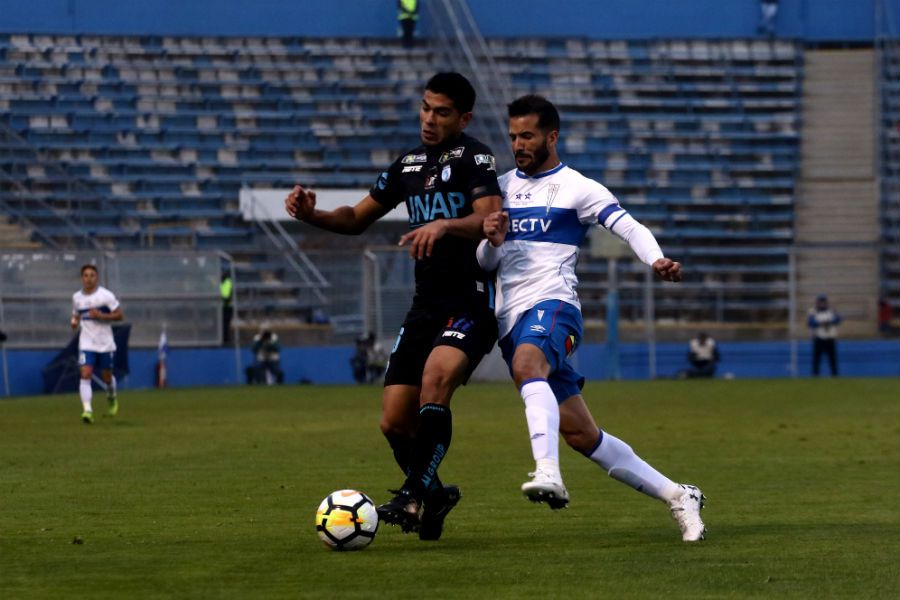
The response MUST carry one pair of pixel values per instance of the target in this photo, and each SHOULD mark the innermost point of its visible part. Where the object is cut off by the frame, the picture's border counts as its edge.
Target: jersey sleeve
(112, 303)
(387, 190)
(482, 173)
(598, 205)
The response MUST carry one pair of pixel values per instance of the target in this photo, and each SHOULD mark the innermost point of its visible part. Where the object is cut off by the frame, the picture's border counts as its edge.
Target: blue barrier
(331, 364)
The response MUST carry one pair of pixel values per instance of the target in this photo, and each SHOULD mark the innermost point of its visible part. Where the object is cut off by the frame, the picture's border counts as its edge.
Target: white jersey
(95, 336)
(549, 216)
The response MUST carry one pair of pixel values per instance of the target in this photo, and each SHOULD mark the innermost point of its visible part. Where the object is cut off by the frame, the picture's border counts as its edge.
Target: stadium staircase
(889, 120)
(837, 212)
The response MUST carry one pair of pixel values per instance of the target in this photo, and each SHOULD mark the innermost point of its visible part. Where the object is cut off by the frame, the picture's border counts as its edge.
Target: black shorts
(471, 329)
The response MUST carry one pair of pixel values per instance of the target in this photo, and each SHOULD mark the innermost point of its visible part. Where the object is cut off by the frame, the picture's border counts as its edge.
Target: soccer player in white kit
(93, 308)
(533, 244)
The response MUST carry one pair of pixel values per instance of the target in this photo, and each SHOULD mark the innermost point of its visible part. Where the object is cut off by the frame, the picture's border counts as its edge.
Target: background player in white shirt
(533, 243)
(93, 308)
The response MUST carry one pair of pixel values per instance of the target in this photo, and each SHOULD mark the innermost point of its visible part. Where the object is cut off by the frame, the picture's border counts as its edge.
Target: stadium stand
(145, 141)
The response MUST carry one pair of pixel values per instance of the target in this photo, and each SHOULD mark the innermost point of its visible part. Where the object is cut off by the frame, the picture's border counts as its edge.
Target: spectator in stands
(768, 10)
(703, 354)
(885, 313)
(226, 291)
(823, 322)
(318, 317)
(408, 15)
(267, 352)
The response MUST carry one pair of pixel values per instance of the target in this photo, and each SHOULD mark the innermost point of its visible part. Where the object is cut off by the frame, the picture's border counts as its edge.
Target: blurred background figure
(823, 322)
(226, 291)
(768, 11)
(376, 359)
(267, 353)
(408, 16)
(885, 313)
(360, 360)
(703, 354)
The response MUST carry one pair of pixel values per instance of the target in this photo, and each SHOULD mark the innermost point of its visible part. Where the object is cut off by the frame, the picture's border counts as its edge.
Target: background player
(449, 184)
(93, 308)
(549, 210)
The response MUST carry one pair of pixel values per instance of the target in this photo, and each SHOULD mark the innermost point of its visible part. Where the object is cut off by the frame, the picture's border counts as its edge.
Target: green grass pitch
(211, 493)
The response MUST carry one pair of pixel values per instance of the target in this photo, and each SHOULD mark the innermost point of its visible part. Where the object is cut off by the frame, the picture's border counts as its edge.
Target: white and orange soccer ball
(347, 520)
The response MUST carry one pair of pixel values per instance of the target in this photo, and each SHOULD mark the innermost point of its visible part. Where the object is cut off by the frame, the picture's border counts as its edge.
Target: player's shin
(84, 389)
(542, 414)
(430, 447)
(619, 460)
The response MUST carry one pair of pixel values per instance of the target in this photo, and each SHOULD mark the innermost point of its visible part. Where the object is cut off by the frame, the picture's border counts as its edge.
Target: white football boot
(546, 486)
(685, 510)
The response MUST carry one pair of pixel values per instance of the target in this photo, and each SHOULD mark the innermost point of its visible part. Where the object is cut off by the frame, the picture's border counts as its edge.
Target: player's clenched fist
(495, 227)
(667, 269)
(300, 203)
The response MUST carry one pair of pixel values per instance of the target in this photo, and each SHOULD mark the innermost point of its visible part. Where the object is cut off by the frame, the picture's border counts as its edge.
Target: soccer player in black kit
(449, 184)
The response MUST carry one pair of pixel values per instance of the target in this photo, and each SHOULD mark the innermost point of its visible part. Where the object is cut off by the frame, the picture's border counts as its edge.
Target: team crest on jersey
(413, 158)
(552, 190)
(455, 153)
(445, 173)
(486, 159)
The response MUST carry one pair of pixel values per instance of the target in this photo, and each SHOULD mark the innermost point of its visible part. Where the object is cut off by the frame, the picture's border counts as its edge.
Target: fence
(178, 291)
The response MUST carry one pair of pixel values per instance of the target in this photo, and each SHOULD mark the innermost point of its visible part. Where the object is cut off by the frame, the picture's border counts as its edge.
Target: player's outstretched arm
(351, 220)
(421, 241)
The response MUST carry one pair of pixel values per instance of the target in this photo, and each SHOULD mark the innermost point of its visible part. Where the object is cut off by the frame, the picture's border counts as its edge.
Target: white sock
(620, 461)
(111, 387)
(542, 414)
(86, 393)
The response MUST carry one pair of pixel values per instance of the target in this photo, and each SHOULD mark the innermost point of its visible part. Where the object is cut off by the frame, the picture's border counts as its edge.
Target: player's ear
(465, 119)
(552, 138)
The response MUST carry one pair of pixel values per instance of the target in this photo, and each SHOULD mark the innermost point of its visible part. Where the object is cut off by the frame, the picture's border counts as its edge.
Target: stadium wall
(813, 20)
(331, 364)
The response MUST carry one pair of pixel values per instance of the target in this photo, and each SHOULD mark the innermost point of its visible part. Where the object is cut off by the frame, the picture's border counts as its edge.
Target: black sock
(402, 446)
(431, 445)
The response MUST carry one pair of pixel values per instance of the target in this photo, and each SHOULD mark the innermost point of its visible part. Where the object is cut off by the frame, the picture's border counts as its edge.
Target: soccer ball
(347, 520)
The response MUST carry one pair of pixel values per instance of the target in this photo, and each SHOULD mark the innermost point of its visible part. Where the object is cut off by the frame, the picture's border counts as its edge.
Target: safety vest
(408, 10)
(225, 291)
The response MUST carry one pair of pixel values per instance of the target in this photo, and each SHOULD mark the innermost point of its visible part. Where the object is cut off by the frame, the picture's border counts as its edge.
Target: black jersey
(441, 182)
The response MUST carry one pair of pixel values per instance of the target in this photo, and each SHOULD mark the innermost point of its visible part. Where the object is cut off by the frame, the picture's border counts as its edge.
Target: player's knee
(438, 385)
(529, 366)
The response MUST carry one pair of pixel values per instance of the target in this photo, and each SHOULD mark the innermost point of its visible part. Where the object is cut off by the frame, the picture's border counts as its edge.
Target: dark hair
(532, 104)
(456, 87)
(88, 266)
